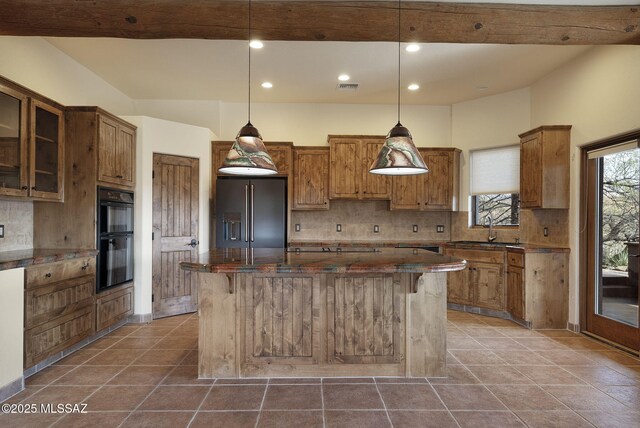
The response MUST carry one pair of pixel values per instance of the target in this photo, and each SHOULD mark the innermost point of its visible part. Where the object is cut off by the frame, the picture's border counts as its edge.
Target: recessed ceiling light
(267, 85)
(413, 47)
(413, 87)
(256, 44)
(343, 77)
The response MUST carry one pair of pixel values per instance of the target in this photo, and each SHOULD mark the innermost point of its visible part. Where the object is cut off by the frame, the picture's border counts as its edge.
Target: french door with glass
(612, 199)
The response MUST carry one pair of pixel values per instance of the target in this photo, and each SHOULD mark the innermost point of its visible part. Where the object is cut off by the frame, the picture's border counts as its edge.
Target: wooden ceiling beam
(366, 21)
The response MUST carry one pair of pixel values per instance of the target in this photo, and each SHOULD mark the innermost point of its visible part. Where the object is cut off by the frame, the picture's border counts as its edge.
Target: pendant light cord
(249, 106)
(399, 61)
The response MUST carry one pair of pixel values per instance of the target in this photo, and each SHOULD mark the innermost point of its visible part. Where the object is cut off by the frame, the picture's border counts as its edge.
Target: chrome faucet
(491, 237)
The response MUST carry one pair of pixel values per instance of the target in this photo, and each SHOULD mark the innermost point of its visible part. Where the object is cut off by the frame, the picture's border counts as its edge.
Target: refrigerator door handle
(252, 208)
(246, 213)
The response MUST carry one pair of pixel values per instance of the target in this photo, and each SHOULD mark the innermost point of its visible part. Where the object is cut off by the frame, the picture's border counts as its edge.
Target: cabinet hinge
(153, 236)
(153, 174)
(153, 298)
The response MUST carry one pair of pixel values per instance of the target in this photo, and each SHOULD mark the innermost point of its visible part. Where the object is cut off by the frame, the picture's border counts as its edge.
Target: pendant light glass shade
(398, 155)
(248, 155)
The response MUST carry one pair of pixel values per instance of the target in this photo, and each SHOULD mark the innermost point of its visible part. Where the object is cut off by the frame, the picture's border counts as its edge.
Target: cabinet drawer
(50, 273)
(484, 256)
(45, 303)
(50, 338)
(515, 259)
(113, 307)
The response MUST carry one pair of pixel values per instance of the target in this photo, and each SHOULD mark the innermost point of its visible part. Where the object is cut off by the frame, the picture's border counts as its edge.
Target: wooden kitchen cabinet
(114, 305)
(310, 178)
(481, 283)
(31, 145)
(350, 158)
(59, 307)
(544, 167)
(515, 292)
(116, 151)
(437, 190)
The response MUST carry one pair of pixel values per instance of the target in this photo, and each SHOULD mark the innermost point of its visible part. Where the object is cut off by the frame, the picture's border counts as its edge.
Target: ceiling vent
(343, 86)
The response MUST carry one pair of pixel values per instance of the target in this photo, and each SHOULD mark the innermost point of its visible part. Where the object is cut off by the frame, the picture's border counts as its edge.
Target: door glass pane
(618, 193)
(46, 151)
(9, 142)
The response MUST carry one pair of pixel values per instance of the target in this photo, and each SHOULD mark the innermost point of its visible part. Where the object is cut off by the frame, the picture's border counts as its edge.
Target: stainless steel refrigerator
(251, 213)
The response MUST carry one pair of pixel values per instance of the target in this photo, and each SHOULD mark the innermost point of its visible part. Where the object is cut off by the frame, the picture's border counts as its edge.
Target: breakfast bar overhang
(311, 313)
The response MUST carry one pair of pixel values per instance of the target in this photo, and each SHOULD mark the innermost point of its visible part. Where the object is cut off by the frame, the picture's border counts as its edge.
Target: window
(495, 186)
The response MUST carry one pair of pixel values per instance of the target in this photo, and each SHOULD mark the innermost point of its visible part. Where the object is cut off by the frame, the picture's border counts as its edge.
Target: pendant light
(398, 155)
(248, 155)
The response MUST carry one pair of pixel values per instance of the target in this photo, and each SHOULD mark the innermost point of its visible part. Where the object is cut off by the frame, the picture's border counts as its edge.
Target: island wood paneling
(365, 319)
(424, 22)
(280, 318)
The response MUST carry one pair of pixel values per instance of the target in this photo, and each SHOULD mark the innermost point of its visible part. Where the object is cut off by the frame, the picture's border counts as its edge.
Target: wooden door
(488, 284)
(125, 156)
(515, 292)
(531, 172)
(438, 181)
(344, 157)
(46, 163)
(374, 186)
(311, 179)
(175, 226)
(407, 192)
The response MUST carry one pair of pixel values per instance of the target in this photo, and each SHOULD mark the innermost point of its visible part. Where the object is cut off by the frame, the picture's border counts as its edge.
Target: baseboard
(140, 318)
(11, 389)
(573, 327)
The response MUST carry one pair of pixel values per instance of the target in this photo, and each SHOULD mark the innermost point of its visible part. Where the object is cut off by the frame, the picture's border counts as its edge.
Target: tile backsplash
(358, 219)
(17, 218)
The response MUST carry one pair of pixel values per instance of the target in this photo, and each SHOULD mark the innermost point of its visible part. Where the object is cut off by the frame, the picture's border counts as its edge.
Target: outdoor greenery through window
(503, 209)
(495, 186)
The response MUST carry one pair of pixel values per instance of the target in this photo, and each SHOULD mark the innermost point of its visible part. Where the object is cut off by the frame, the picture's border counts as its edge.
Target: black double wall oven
(115, 238)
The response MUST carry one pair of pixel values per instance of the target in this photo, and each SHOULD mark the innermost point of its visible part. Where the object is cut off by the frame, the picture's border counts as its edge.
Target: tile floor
(500, 375)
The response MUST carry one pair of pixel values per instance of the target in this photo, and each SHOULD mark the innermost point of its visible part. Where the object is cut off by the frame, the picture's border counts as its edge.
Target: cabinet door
(107, 149)
(126, 156)
(13, 143)
(46, 162)
(281, 156)
(374, 186)
(515, 292)
(344, 157)
(311, 179)
(459, 288)
(531, 172)
(438, 182)
(406, 192)
(488, 285)
(113, 306)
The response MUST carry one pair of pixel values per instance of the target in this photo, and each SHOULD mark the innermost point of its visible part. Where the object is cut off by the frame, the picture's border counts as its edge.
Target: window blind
(609, 150)
(495, 170)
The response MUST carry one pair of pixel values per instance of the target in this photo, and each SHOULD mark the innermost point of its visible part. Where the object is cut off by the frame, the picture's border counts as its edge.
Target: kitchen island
(313, 312)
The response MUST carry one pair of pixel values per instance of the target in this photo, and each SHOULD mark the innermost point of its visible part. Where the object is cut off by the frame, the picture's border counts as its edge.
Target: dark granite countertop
(498, 246)
(511, 246)
(24, 258)
(311, 260)
(366, 244)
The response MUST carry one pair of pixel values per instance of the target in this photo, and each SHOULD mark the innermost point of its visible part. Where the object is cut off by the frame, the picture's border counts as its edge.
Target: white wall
(161, 136)
(11, 320)
(204, 113)
(309, 124)
(36, 64)
(599, 95)
(488, 122)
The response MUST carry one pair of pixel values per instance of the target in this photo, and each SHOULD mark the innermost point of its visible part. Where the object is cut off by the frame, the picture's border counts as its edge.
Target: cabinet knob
(47, 275)
(33, 187)
(84, 266)
(325, 203)
(119, 176)
(25, 187)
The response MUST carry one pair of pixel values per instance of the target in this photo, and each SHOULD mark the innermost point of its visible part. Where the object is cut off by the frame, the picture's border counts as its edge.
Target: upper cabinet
(544, 167)
(437, 190)
(350, 160)
(31, 146)
(311, 178)
(116, 151)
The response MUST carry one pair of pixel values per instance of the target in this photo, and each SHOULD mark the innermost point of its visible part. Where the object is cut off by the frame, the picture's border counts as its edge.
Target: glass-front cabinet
(31, 147)
(13, 143)
(46, 155)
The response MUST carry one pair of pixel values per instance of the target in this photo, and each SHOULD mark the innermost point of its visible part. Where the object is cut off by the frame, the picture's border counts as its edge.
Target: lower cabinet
(59, 307)
(112, 306)
(481, 283)
(515, 286)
